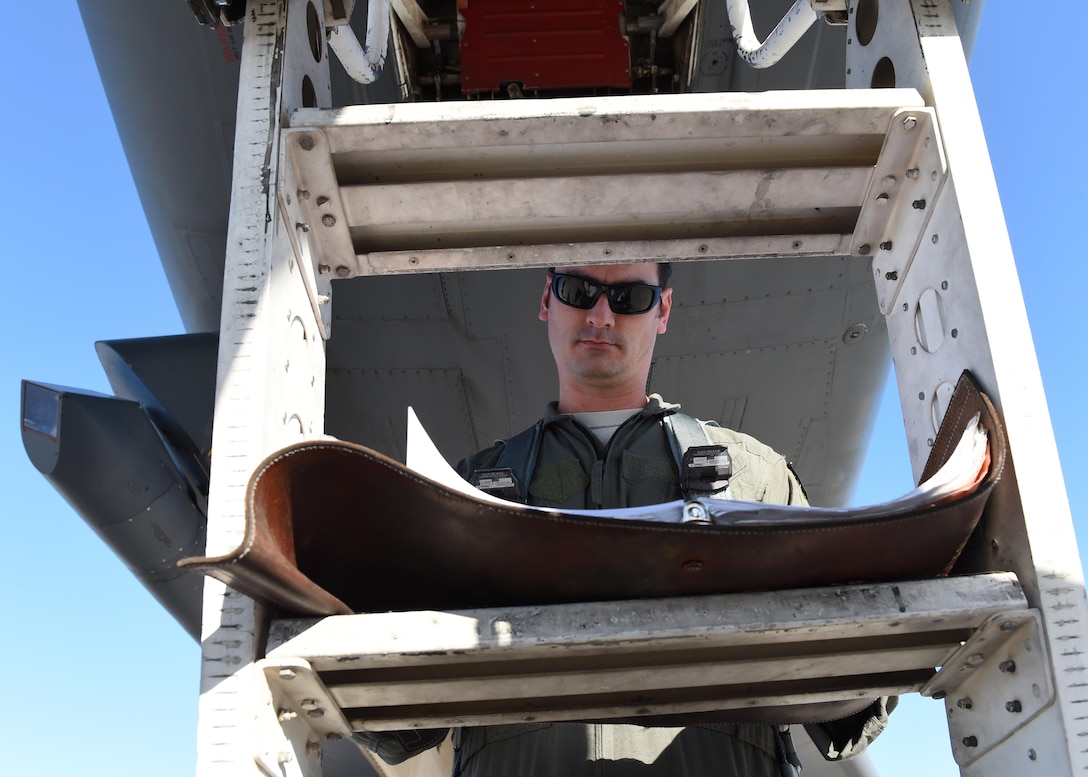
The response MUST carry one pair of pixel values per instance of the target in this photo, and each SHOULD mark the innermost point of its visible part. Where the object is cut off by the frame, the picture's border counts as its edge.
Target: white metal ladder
(904, 176)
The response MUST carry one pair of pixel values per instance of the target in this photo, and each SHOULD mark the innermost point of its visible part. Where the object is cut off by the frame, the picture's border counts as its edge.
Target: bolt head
(695, 512)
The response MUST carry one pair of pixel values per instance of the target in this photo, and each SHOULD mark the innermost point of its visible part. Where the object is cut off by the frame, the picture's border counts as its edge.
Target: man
(603, 445)
(606, 444)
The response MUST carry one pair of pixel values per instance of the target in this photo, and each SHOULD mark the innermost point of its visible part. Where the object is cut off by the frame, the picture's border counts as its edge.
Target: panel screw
(322, 200)
(864, 249)
(970, 741)
(1032, 755)
(306, 142)
(891, 276)
(328, 220)
(309, 704)
(287, 674)
(303, 194)
(912, 173)
(965, 703)
(886, 245)
(910, 123)
(343, 271)
(1008, 667)
(1014, 706)
(919, 204)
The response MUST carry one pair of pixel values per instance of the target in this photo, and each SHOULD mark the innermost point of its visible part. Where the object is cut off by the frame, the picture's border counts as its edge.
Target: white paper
(962, 472)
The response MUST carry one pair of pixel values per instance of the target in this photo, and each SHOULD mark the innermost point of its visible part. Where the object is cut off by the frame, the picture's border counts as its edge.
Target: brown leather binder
(334, 528)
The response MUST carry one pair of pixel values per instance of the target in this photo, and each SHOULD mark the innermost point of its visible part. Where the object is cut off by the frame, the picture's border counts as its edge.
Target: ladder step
(765, 656)
(414, 188)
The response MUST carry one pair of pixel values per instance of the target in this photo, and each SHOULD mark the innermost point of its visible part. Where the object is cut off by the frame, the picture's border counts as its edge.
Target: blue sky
(99, 679)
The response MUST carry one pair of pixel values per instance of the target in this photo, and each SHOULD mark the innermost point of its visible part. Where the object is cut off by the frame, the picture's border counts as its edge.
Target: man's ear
(545, 298)
(665, 307)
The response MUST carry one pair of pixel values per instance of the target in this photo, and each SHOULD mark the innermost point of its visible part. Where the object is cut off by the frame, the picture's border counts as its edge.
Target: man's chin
(598, 370)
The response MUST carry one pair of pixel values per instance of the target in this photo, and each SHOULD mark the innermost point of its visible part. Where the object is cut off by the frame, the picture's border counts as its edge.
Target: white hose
(364, 62)
(762, 55)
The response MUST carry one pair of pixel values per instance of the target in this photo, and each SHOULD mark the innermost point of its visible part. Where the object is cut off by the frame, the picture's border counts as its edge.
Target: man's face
(596, 348)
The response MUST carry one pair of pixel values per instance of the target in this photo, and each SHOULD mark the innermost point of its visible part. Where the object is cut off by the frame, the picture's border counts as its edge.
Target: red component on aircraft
(543, 44)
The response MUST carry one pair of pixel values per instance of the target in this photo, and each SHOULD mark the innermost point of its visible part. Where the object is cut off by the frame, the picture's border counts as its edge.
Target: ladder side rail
(958, 305)
(269, 392)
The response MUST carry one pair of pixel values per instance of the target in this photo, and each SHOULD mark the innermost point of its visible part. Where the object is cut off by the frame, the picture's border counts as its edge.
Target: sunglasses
(623, 298)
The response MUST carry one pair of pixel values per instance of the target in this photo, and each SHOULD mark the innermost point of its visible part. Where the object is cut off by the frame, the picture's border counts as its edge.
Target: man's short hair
(664, 273)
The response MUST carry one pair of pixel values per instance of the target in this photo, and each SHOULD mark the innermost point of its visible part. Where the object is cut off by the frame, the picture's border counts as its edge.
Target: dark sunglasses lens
(634, 298)
(576, 292)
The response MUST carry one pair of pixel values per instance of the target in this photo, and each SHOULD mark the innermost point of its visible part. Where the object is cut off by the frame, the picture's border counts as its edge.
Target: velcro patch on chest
(556, 483)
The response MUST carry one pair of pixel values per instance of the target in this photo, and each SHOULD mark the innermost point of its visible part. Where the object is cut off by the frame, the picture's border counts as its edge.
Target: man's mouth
(596, 340)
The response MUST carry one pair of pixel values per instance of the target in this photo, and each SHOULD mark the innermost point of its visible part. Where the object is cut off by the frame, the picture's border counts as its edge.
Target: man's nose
(601, 315)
